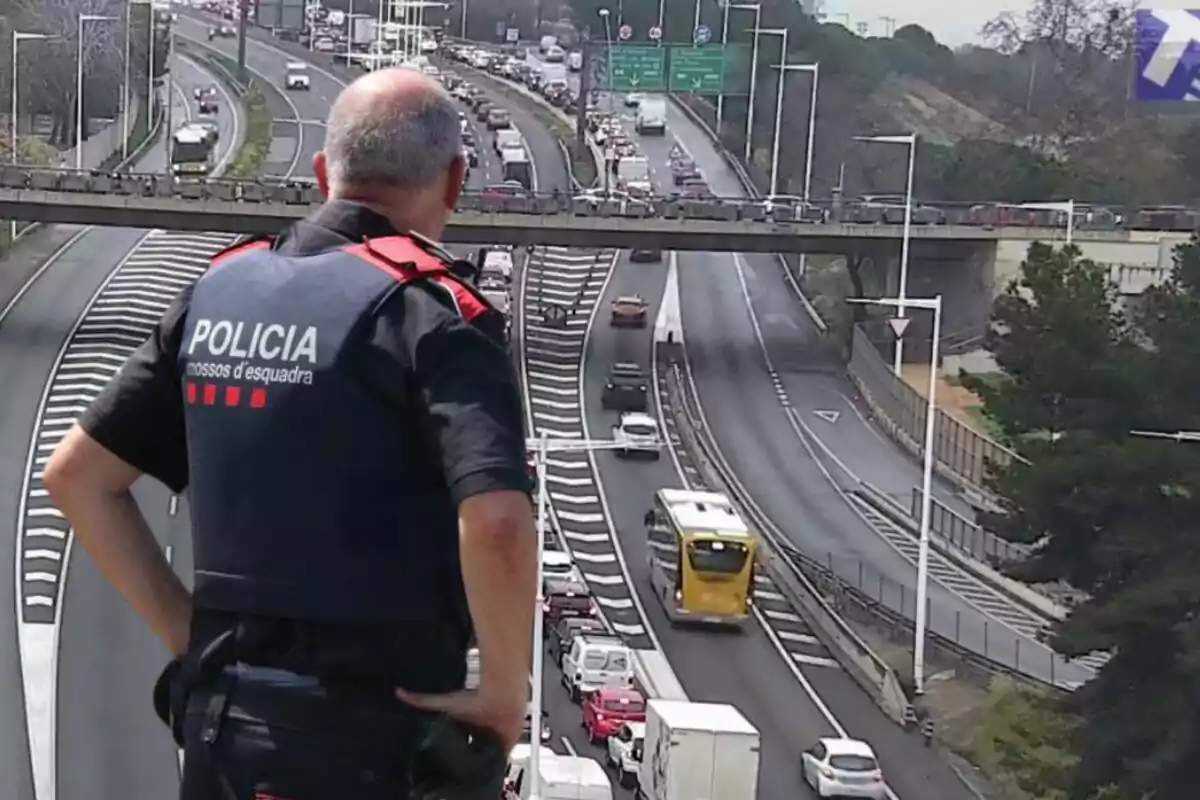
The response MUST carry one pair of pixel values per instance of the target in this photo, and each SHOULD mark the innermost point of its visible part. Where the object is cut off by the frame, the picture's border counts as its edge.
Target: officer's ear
(455, 176)
(321, 172)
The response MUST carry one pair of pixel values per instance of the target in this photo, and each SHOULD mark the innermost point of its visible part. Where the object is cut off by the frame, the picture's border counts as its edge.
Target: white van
(560, 778)
(595, 661)
(509, 139)
(516, 167)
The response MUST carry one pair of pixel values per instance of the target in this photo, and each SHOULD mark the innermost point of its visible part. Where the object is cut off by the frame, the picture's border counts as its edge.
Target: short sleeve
(138, 416)
(462, 385)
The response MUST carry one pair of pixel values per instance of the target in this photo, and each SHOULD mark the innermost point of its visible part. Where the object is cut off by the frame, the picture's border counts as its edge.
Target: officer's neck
(406, 212)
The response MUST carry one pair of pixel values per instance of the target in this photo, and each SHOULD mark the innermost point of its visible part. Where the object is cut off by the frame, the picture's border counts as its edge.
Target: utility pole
(585, 89)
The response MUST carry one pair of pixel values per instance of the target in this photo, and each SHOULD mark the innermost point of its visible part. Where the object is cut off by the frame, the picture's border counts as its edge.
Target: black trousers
(262, 734)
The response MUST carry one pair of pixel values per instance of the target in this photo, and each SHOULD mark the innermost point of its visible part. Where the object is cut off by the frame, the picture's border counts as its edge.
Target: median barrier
(867, 669)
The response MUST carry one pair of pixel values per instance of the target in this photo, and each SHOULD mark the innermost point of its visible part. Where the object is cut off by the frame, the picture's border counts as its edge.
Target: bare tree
(48, 68)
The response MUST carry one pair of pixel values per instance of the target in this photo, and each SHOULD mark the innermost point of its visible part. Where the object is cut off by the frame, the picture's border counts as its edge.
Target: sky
(953, 22)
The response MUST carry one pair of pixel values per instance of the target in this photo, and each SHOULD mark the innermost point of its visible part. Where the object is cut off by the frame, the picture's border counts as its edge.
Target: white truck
(575, 61)
(362, 30)
(652, 116)
(698, 751)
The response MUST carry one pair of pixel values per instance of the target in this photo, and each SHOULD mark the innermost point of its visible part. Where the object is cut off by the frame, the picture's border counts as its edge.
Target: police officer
(339, 406)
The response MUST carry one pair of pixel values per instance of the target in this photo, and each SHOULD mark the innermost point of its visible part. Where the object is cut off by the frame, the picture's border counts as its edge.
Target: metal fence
(960, 452)
(859, 591)
(964, 535)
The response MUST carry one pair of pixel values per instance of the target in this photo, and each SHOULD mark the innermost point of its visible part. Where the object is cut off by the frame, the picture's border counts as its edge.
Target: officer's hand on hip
(502, 712)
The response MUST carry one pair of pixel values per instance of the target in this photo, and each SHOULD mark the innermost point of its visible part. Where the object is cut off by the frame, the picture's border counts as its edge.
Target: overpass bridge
(714, 225)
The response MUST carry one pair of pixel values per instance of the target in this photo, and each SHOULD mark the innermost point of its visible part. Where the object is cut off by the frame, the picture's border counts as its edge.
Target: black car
(561, 635)
(626, 389)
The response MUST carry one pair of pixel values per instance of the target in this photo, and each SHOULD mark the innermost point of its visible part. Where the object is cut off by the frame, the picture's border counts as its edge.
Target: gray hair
(406, 146)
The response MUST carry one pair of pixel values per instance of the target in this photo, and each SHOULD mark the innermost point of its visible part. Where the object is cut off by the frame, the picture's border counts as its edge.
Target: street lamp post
(17, 38)
(725, 54)
(909, 139)
(541, 447)
(933, 304)
(169, 96)
(1177, 436)
(784, 68)
(462, 33)
(79, 85)
(608, 44)
(1067, 207)
(757, 9)
(662, 16)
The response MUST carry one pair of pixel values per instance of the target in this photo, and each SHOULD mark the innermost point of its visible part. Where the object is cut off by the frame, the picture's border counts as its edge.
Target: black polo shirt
(139, 417)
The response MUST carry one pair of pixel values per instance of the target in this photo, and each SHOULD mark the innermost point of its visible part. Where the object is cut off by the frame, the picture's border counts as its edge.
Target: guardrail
(861, 663)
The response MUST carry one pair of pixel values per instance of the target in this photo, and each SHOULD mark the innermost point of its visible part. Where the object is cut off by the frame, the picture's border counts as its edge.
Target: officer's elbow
(81, 466)
(500, 521)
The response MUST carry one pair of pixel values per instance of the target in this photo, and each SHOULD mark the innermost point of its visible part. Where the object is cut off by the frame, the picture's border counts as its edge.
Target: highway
(108, 742)
(795, 701)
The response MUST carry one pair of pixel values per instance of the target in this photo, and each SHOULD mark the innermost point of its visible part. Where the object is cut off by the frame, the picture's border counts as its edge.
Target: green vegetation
(1110, 513)
(140, 134)
(1024, 743)
(257, 142)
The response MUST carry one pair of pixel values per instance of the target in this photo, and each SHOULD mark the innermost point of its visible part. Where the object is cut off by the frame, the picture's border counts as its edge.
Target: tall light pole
(83, 18)
(662, 18)
(1178, 437)
(909, 139)
(17, 38)
(170, 96)
(696, 17)
(150, 59)
(541, 447)
(725, 54)
(782, 33)
(1067, 207)
(604, 15)
(757, 9)
(462, 33)
(126, 87)
(933, 304)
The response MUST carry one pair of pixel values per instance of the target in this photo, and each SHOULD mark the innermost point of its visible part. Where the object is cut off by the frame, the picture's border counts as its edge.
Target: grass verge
(257, 141)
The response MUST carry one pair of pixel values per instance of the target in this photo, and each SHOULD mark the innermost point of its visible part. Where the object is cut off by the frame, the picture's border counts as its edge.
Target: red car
(605, 710)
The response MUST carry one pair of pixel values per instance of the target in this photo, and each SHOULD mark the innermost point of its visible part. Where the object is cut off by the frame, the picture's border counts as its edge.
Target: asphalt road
(110, 744)
(107, 733)
(757, 679)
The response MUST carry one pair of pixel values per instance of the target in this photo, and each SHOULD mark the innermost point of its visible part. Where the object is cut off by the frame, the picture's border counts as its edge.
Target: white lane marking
(570, 748)
(173, 506)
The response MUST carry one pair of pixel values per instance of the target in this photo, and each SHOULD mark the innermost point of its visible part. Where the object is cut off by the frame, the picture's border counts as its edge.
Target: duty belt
(451, 762)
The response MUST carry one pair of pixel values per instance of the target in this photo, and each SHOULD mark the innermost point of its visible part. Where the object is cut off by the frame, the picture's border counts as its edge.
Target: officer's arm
(134, 427)
(468, 397)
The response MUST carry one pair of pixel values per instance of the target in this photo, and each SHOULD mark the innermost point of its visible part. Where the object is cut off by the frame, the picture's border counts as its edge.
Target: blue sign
(702, 34)
(1167, 43)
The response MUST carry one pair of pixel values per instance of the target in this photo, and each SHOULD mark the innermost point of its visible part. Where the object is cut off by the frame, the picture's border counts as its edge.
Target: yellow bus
(701, 557)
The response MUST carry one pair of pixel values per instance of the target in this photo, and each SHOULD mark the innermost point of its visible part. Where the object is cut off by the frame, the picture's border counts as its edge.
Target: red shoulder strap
(407, 261)
(239, 248)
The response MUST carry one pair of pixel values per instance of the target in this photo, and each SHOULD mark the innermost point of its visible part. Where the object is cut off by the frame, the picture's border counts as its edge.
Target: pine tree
(1113, 514)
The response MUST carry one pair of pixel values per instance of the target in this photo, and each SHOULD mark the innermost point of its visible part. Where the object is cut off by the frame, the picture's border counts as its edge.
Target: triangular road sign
(899, 325)
(829, 416)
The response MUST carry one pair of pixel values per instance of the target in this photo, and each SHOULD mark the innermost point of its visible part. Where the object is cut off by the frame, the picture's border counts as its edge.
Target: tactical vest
(313, 493)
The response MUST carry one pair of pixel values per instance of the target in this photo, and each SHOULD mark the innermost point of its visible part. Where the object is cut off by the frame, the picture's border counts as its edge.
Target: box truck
(652, 115)
(698, 751)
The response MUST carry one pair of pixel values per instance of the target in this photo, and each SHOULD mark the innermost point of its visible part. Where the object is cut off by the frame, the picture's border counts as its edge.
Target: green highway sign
(711, 69)
(636, 68)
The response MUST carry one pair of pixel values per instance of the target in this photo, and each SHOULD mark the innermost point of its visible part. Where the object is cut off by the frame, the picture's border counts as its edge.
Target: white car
(637, 432)
(297, 77)
(498, 262)
(633, 99)
(558, 564)
(624, 752)
(843, 768)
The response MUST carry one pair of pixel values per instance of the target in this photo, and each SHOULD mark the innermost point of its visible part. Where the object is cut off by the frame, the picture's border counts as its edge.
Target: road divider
(867, 669)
